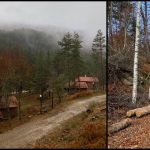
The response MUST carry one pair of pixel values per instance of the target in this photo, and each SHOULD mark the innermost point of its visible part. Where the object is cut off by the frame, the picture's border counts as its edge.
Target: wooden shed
(83, 83)
(8, 106)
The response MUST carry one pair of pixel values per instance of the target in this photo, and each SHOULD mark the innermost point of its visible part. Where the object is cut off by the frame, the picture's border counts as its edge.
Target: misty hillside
(52, 68)
(47, 35)
(28, 39)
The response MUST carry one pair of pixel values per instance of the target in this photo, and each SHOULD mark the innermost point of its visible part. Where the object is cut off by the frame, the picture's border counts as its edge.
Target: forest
(35, 62)
(121, 30)
(128, 72)
(53, 75)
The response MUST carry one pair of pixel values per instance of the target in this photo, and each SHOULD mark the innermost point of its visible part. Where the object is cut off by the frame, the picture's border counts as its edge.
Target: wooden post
(8, 110)
(40, 103)
(79, 82)
(19, 108)
(52, 99)
(49, 94)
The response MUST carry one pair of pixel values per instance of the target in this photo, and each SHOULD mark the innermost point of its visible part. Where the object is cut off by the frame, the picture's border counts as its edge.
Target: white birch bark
(135, 68)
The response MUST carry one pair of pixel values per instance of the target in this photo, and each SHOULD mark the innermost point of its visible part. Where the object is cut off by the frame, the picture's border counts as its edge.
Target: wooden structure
(8, 107)
(87, 82)
(83, 83)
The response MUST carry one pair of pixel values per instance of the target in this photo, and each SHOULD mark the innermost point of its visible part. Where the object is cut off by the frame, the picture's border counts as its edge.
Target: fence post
(41, 104)
(52, 99)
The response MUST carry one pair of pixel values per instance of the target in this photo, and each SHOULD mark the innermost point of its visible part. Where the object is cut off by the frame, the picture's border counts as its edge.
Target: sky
(85, 16)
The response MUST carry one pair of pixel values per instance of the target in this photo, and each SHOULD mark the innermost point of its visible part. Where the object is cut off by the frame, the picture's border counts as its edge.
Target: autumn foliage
(14, 68)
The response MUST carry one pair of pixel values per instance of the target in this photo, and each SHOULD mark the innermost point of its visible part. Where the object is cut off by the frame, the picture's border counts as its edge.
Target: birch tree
(135, 68)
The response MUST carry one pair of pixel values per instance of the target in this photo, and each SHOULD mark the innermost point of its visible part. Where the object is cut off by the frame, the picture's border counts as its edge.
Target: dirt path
(135, 136)
(26, 134)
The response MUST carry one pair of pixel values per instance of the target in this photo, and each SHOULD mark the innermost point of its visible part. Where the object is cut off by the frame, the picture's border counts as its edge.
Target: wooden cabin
(83, 83)
(88, 83)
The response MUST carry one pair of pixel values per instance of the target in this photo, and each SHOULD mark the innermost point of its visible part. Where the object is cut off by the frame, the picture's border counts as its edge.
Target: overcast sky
(85, 16)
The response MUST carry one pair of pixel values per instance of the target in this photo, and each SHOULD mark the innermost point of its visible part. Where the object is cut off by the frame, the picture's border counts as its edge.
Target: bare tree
(135, 68)
(144, 14)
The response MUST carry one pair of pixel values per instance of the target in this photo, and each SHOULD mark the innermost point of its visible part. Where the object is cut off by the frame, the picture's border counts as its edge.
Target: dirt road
(26, 134)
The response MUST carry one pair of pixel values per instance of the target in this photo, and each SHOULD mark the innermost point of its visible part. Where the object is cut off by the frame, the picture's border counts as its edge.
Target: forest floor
(26, 134)
(135, 136)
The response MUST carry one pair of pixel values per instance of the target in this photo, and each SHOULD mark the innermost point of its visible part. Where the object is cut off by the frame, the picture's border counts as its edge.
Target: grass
(86, 130)
(84, 94)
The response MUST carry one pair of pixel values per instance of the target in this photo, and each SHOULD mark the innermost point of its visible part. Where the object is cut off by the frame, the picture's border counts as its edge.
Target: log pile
(131, 113)
(139, 112)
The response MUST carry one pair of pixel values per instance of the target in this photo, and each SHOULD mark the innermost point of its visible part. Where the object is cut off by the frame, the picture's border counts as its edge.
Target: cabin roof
(11, 102)
(87, 79)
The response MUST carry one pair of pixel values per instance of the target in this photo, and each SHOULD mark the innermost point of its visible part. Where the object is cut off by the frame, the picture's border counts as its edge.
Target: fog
(83, 17)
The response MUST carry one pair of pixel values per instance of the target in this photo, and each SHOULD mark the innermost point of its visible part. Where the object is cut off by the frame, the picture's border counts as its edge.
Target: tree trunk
(41, 102)
(52, 100)
(19, 107)
(139, 112)
(143, 111)
(110, 19)
(102, 72)
(79, 82)
(8, 109)
(59, 98)
(135, 70)
(119, 126)
(69, 87)
(131, 113)
(149, 94)
(146, 32)
(145, 22)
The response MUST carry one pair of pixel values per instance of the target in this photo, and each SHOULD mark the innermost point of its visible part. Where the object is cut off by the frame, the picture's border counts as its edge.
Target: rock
(127, 82)
(93, 118)
(89, 111)
(135, 146)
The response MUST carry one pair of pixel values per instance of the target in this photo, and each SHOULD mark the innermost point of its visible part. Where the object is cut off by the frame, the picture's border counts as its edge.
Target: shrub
(89, 132)
(80, 94)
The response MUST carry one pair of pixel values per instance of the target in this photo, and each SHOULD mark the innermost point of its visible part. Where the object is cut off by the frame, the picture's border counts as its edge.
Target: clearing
(28, 133)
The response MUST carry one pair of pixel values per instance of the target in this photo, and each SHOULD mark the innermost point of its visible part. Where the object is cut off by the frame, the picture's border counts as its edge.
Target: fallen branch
(119, 126)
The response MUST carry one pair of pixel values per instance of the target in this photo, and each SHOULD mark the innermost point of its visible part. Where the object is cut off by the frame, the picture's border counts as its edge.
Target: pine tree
(97, 54)
(66, 50)
(58, 86)
(40, 77)
(76, 61)
(58, 60)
